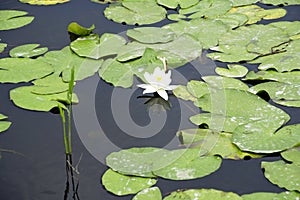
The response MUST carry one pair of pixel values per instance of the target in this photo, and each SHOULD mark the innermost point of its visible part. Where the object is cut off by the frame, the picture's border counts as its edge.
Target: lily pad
(4, 125)
(174, 3)
(16, 70)
(120, 184)
(285, 175)
(2, 47)
(27, 51)
(202, 194)
(64, 60)
(182, 93)
(151, 35)
(93, 47)
(43, 2)
(77, 29)
(176, 17)
(286, 77)
(280, 93)
(233, 20)
(232, 71)
(281, 2)
(237, 3)
(105, 1)
(148, 194)
(213, 143)
(50, 85)
(25, 97)
(271, 196)
(135, 12)
(291, 28)
(12, 19)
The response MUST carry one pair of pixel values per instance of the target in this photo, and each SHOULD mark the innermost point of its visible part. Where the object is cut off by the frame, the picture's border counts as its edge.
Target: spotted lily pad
(27, 51)
(281, 2)
(213, 143)
(232, 71)
(64, 60)
(43, 2)
(202, 194)
(285, 175)
(152, 193)
(12, 19)
(94, 47)
(271, 196)
(135, 12)
(174, 3)
(151, 35)
(120, 184)
(77, 29)
(4, 125)
(16, 70)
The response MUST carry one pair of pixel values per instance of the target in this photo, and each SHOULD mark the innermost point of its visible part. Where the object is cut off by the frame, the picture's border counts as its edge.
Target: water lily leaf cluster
(27, 51)
(12, 19)
(43, 2)
(4, 125)
(285, 174)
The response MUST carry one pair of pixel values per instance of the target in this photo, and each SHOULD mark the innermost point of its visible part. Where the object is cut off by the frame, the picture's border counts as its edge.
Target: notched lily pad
(27, 51)
(43, 2)
(232, 71)
(120, 184)
(12, 19)
(4, 125)
(174, 3)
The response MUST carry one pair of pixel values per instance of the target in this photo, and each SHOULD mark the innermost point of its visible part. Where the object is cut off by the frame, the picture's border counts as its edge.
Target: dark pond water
(37, 170)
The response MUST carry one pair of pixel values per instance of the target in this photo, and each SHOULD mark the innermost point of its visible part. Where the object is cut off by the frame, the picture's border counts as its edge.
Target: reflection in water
(72, 174)
(156, 104)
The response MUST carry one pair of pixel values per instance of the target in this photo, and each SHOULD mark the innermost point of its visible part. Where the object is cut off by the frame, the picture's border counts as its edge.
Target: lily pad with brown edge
(213, 143)
(43, 2)
(12, 19)
(27, 51)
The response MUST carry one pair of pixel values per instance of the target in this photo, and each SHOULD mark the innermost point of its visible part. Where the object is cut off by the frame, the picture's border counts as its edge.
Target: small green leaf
(76, 29)
(43, 2)
(27, 51)
(2, 47)
(237, 3)
(271, 196)
(183, 93)
(12, 19)
(148, 194)
(120, 184)
(232, 71)
(4, 125)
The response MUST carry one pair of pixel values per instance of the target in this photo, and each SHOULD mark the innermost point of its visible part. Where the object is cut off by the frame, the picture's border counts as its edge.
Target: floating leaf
(93, 47)
(291, 28)
(174, 3)
(237, 3)
(151, 35)
(281, 2)
(232, 71)
(182, 93)
(64, 60)
(120, 184)
(292, 155)
(280, 93)
(135, 12)
(2, 47)
(76, 29)
(27, 51)
(233, 20)
(189, 165)
(285, 175)
(206, 31)
(25, 97)
(202, 194)
(16, 70)
(50, 85)
(11, 19)
(43, 2)
(4, 125)
(213, 143)
(287, 77)
(148, 194)
(248, 42)
(176, 17)
(105, 1)
(271, 196)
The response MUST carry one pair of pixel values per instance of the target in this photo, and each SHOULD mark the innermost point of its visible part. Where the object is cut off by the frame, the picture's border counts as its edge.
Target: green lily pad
(27, 51)
(233, 20)
(93, 47)
(232, 71)
(120, 184)
(285, 175)
(291, 28)
(182, 93)
(281, 2)
(189, 165)
(271, 196)
(292, 155)
(206, 31)
(16, 70)
(25, 97)
(43, 2)
(135, 12)
(286, 77)
(207, 9)
(77, 29)
(12, 19)
(213, 143)
(202, 194)
(176, 17)
(4, 125)
(237, 3)
(174, 3)
(50, 85)
(151, 35)
(248, 42)
(2, 47)
(280, 93)
(105, 1)
(148, 194)
(64, 60)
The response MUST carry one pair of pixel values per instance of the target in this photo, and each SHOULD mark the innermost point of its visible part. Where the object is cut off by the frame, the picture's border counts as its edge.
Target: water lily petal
(144, 86)
(149, 89)
(163, 94)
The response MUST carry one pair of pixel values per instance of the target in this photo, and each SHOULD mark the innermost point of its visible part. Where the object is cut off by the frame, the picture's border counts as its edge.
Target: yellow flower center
(158, 78)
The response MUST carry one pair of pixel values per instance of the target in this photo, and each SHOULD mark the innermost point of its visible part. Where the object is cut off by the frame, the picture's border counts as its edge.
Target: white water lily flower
(158, 82)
